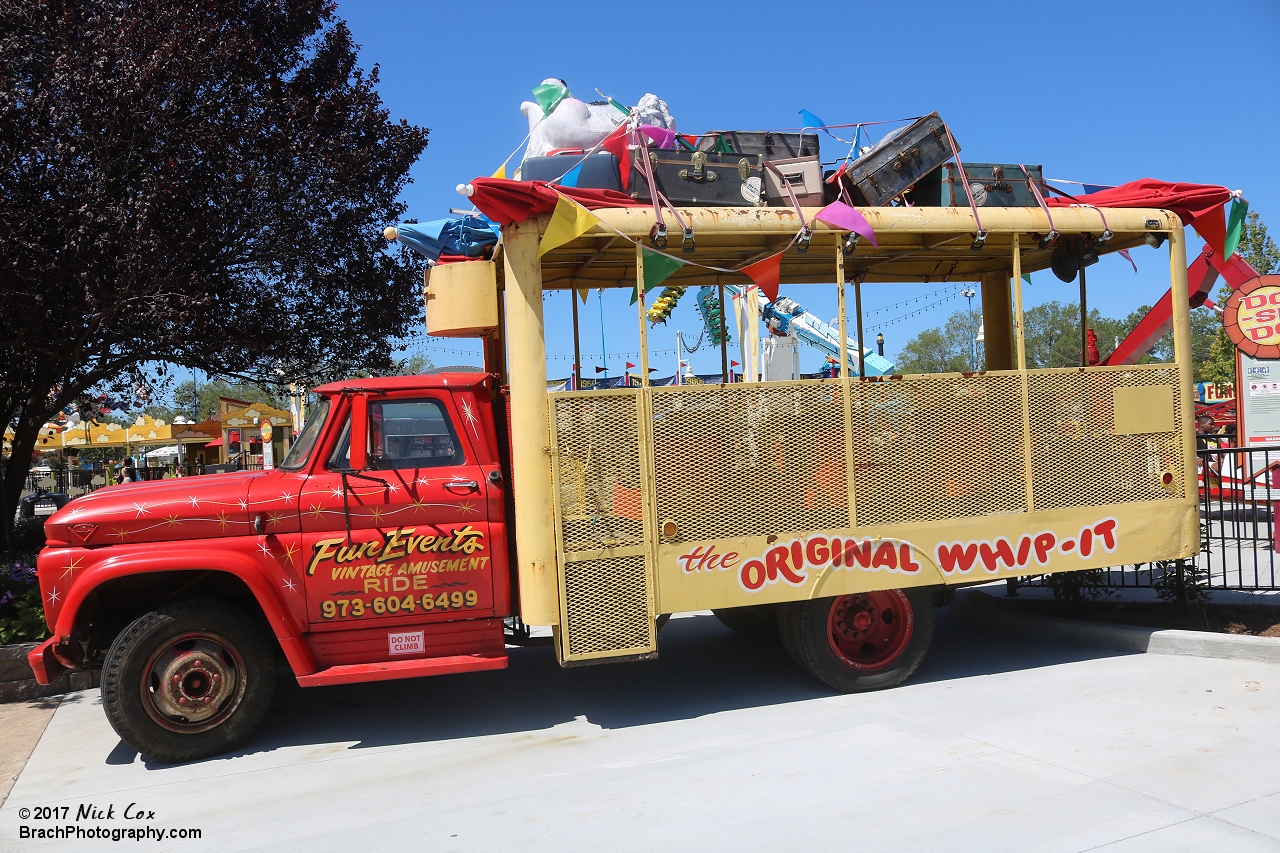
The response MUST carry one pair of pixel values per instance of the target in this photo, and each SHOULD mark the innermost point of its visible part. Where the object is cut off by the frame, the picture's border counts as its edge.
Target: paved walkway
(997, 744)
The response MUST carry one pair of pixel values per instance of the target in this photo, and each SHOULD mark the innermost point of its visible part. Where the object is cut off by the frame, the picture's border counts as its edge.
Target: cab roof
(404, 383)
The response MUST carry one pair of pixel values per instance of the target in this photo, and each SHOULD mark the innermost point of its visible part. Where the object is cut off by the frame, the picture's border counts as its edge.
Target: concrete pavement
(997, 743)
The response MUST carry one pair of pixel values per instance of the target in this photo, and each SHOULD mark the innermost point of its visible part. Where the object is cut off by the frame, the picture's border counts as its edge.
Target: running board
(386, 670)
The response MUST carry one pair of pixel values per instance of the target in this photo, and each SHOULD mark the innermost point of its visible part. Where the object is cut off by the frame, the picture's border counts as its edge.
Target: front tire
(187, 681)
(859, 642)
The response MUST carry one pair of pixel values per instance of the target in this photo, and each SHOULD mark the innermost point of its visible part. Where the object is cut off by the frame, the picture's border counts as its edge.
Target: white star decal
(262, 546)
(395, 490)
(141, 508)
(469, 415)
(53, 595)
(423, 481)
(195, 501)
(244, 504)
(288, 498)
(337, 493)
(289, 585)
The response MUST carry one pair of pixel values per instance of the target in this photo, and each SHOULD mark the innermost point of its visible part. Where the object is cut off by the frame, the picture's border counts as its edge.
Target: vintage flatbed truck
(420, 523)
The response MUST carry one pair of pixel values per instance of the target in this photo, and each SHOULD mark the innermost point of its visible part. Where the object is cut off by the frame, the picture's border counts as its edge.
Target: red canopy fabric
(506, 201)
(1189, 201)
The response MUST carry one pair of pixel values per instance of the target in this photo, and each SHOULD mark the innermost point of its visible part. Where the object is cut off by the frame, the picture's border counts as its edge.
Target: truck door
(418, 547)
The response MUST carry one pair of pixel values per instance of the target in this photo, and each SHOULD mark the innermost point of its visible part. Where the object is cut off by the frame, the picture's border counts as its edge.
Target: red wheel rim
(869, 630)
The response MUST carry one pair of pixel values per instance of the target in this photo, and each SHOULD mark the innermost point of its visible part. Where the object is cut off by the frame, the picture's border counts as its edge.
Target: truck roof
(400, 383)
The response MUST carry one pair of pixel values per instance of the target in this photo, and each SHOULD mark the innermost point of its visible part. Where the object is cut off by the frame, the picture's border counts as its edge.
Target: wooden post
(997, 321)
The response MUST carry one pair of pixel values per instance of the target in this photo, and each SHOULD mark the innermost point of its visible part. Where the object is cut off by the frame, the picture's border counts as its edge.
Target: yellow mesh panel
(937, 447)
(1076, 457)
(608, 609)
(749, 459)
(598, 459)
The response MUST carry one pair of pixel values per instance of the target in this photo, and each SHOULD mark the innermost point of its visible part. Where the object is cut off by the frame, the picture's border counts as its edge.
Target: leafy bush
(1077, 587)
(1180, 581)
(21, 608)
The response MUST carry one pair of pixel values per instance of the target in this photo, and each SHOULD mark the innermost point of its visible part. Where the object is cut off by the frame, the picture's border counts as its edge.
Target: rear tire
(863, 641)
(755, 620)
(189, 680)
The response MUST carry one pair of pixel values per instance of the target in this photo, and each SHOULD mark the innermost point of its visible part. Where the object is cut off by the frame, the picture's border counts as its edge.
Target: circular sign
(265, 429)
(1251, 317)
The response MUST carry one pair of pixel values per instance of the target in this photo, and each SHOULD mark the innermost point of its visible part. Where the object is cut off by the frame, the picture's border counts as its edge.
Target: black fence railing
(1239, 493)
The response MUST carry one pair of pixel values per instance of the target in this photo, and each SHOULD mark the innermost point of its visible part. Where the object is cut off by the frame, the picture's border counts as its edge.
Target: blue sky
(1096, 92)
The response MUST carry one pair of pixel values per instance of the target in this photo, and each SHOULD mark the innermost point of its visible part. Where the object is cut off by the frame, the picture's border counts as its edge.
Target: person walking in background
(199, 464)
(128, 471)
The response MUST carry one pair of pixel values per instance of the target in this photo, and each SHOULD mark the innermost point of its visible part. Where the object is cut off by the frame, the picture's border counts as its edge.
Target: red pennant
(616, 144)
(767, 274)
(1212, 226)
(630, 365)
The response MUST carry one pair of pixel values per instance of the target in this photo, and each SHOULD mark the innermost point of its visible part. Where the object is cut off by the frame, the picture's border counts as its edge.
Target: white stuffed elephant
(576, 124)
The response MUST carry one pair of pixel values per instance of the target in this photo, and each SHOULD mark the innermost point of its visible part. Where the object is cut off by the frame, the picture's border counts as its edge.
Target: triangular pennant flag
(657, 269)
(1124, 253)
(501, 174)
(847, 218)
(1095, 188)
(660, 136)
(570, 178)
(767, 274)
(616, 144)
(1212, 226)
(569, 221)
(1235, 226)
(549, 96)
(1026, 276)
(811, 120)
(582, 294)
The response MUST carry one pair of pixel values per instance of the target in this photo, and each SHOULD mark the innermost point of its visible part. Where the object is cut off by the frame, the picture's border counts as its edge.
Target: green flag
(657, 269)
(549, 96)
(1026, 277)
(1235, 225)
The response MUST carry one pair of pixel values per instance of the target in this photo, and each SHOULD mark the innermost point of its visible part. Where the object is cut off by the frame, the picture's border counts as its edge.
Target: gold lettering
(372, 585)
(395, 547)
(323, 550)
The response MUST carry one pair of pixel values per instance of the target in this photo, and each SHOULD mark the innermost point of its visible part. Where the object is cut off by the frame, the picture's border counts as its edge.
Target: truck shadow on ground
(704, 668)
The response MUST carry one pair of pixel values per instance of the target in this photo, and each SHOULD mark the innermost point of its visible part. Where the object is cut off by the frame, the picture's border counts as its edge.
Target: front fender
(190, 556)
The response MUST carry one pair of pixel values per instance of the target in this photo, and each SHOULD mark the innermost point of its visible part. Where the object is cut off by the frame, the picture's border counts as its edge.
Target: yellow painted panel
(1143, 409)
(462, 299)
(732, 572)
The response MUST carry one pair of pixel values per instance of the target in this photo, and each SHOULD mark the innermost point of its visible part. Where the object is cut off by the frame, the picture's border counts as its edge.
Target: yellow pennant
(569, 221)
(501, 174)
(582, 294)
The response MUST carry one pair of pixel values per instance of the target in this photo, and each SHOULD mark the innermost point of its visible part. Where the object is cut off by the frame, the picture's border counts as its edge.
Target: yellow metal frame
(1057, 412)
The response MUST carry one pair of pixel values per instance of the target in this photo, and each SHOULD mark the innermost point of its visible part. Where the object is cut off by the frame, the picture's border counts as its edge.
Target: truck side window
(412, 434)
(340, 459)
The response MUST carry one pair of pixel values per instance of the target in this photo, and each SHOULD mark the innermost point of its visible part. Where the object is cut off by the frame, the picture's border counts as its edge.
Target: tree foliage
(200, 183)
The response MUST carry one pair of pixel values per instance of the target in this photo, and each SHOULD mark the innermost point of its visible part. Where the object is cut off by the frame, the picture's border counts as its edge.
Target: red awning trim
(506, 201)
(1189, 201)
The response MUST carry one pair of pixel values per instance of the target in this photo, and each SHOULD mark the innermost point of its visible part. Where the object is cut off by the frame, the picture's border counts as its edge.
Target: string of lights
(899, 319)
(569, 357)
(912, 300)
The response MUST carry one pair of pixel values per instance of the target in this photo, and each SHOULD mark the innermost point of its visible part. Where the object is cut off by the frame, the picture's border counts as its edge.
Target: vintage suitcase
(992, 185)
(805, 177)
(768, 144)
(700, 178)
(599, 171)
(899, 160)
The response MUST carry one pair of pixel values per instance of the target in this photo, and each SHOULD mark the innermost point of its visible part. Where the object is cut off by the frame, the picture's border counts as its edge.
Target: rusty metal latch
(700, 172)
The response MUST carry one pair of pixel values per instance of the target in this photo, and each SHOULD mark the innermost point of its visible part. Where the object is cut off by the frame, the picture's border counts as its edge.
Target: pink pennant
(847, 218)
(660, 136)
(1124, 253)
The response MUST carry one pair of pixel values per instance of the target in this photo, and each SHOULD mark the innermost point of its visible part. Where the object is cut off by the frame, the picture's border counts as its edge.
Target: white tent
(170, 452)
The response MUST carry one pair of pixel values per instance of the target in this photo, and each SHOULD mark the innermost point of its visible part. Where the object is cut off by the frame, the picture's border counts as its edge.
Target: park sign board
(1251, 317)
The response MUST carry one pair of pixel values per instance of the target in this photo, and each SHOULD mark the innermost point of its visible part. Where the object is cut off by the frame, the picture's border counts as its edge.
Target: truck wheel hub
(193, 682)
(868, 631)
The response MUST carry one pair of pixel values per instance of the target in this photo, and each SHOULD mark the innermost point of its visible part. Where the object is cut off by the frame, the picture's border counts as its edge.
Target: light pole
(969, 293)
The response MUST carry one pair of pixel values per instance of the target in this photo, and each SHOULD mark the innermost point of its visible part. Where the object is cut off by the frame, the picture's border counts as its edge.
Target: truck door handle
(469, 485)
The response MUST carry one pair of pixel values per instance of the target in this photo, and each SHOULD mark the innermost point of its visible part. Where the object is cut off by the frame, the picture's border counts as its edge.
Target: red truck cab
(386, 557)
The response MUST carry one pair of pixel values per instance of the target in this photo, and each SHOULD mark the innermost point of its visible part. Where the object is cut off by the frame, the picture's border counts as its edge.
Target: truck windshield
(301, 450)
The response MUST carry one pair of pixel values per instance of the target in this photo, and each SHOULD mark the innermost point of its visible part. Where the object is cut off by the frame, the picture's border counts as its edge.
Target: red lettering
(1002, 550)
(797, 555)
(775, 559)
(1044, 544)
(1260, 333)
(776, 564)
(1266, 315)
(837, 553)
(752, 576)
(728, 561)
(1274, 298)
(817, 551)
(1107, 530)
(886, 557)
(957, 556)
(687, 559)
(1086, 542)
(1255, 301)
(1068, 545)
(1024, 550)
(857, 552)
(905, 562)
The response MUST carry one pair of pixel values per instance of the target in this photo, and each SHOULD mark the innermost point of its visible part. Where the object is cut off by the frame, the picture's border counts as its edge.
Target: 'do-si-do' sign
(1251, 317)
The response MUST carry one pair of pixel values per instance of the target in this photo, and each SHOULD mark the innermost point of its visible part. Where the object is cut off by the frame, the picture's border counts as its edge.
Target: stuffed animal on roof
(559, 120)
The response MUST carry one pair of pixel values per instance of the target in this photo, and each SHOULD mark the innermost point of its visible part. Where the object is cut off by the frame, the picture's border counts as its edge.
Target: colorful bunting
(847, 218)
(1026, 276)
(658, 267)
(1212, 226)
(616, 144)
(767, 274)
(1124, 253)
(570, 178)
(582, 294)
(811, 120)
(569, 221)
(660, 136)
(1235, 226)
(501, 174)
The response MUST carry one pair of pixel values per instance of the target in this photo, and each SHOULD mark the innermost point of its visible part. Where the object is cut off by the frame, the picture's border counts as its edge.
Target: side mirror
(359, 432)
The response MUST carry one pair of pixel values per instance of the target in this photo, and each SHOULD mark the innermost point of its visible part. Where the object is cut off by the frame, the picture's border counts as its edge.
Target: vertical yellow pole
(1182, 355)
(846, 390)
(1028, 458)
(862, 347)
(644, 329)
(1017, 305)
(530, 440)
(997, 323)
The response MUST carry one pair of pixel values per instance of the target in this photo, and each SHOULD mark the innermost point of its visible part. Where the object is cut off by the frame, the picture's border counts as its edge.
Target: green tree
(947, 349)
(201, 184)
(1256, 247)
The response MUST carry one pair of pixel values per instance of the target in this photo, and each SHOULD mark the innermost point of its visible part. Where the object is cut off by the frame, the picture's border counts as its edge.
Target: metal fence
(1239, 495)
